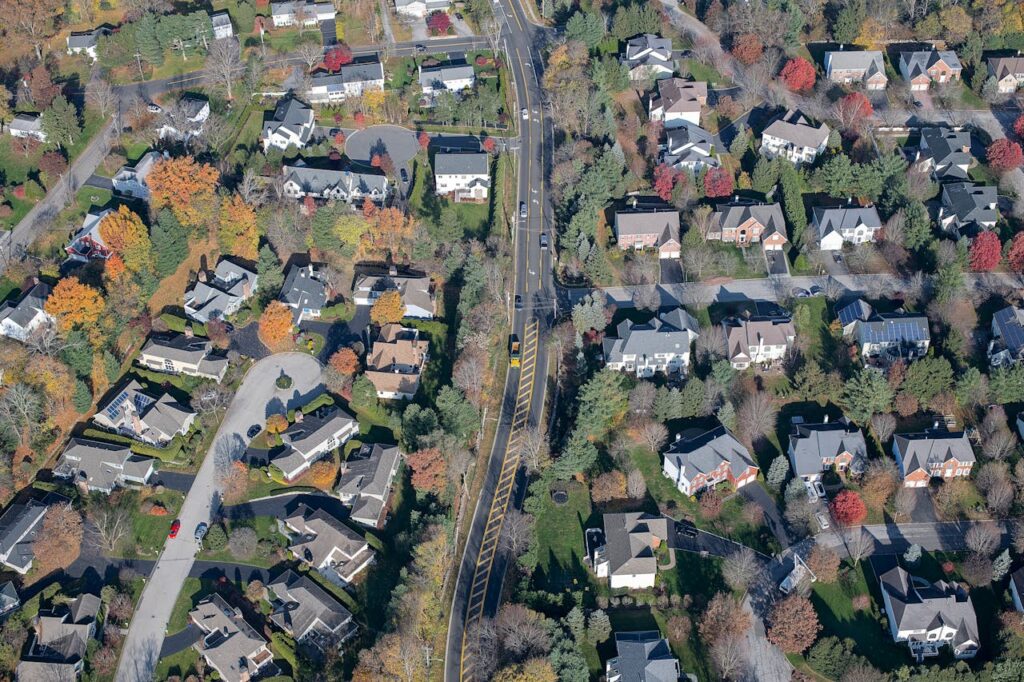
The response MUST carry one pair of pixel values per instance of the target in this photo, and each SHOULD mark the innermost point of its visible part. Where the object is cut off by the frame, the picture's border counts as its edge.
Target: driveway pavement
(281, 506)
(397, 142)
(256, 398)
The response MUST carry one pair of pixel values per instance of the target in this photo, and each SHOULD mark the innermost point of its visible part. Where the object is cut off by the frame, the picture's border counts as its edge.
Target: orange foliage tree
(393, 232)
(74, 304)
(345, 361)
(323, 473)
(429, 470)
(234, 482)
(277, 423)
(127, 236)
(388, 308)
(276, 325)
(186, 187)
(238, 233)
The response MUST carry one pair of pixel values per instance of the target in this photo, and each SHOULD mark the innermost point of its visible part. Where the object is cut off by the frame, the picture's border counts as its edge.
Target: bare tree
(210, 397)
(646, 298)
(999, 497)
(111, 523)
(982, 538)
(46, 340)
(1017, 535)
(858, 542)
(641, 398)
(884, 426)
(697, 260)
(653, 434)
(904, 502)
(216, 133)
(729, 655)
(740, 568)
(224, 63)
(534, 449)
(702, 220)
(711, 343)
(636, 485)
(251, 189)
(516, 532)
(999, 443)
(311, 54)
(101, 96)
(19, 408)
(469, 374)
(756, 416)
(521, 632)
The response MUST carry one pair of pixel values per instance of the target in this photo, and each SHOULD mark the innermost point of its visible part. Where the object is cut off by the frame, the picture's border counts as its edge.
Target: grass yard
(439, 368)
(181, 665)
(8, 289)
(811, 318)
(838, 617)
(560, 543)
(704, 72)
(149, 532)
(266, 529)
(192, 591)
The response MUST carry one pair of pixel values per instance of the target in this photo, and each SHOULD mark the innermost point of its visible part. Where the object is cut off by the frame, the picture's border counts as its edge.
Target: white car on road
(525, 114)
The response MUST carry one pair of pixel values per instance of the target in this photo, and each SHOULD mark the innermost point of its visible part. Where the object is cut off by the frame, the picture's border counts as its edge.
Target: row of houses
(87, 42)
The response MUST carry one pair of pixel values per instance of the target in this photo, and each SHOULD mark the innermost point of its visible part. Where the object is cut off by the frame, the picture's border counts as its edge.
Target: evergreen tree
(739, 145)
(458, 416)
(727, 415)
(147, 40)
(836, 176)
(577, 624)
(691, 400)
(599, 627)
(170, 243)
(269, 272)
(417, 422)
(918, 227)
(586, 27)
(867, 393)
(912, 555)
(848, 22)
(778, 472)
(111, 366)
(77, 353)
(793, 202)
(82, 399)
(60, 123)
(766, 175)
(1001, 565)
(364, 394)
(667, 404)
(577, 457)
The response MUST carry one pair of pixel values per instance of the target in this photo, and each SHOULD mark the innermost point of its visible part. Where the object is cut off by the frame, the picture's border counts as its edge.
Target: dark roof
(920, 451)
(305, 606)
(945, 147)
(643, 657)
(917, 605)
(461, 164)
(735, 213)
(315, 428)
(19, 526)
(27, 307)
(1010, 321)
(809, 444)
(917, 63)
(304, 288)
(669, 332)
(629, 542)
(703, 453)
(858, 310)
(875, 327)
(970, 202)
(361, 72)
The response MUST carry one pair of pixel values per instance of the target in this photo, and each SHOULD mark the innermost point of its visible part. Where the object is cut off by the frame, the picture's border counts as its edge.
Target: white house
(689, 147)
(627, 557)
(885, 337)
(221, 22)
(307, 613)
(757, 340)
(311, 437)
(185, 119)
(19, 527)
(929, 616)
(349, 186)
(27, 125)
(678, 101)
(642, 656)
(649, 56)
(85, 42)
(182, 354)
(18, 319)
(464, 177)
(419, 9)
(661, 345)
(454, 78)
(845, 225)
(302, 12)
(351, 81)
(417, 292)
(704, 461)
(292, 124)
(793, 137)
(101, 467)
(1008, 72)
(1007, 344)
(130, 181)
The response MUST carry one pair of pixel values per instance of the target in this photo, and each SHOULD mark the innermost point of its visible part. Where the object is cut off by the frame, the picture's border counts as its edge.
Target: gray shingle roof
(797, 129)
(316, 427)
(19, 526)
(83, 39)
(648, 50)
(292, 115)
(703, 453)
(809, 444)
(304, 288)
(970, 202)
(736, 213)
(741, 334)
(320, 180)
(1001, 67)
(842, 218)
(946, 149)
(415, 291)
(367, 477)
(23, 311)
(668, 333)
(643, 657)
(96, 463)
(629, 542)
(462, 164)
(321, 535)
(921, 450)
(438, 76)
(875, 327)
(917, 63)
(32, 123)
(231, 284)
(665, 224)
(676, 95)
(229, 640)
(178, 347)
(869, 60)
(919, 607)
(689, 139)
(305, 606)
(362, 72)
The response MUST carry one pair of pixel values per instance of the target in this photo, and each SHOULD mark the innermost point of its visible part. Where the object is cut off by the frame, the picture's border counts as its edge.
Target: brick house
(934, 453)
(694, 464)
(866, 67)
(648, 229)
(922, 67)
(744, 222)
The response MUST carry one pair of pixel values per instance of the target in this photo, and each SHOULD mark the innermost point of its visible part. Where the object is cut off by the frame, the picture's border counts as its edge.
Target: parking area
(776, 262)
(329, 32)
(671, 271)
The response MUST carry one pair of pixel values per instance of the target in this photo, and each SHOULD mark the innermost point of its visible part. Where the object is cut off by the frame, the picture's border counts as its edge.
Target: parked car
(544, 240)
(201, 531)
(153, 108)
(801, 293)
(817, 291)
(820, 489)
(253, 430)
(812, 495)
(525, 114)
(175, 527)
(822, 519)
(687, 528)
(403, 174)
(837, 257)
(421, 49)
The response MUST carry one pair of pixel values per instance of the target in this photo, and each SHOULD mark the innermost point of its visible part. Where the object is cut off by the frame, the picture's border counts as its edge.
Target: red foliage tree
(439, 23)
(19, 191)
(360, 119)
(717, 183)
(853, 109)
(338, 57)
(1004, 155)
(848, 508)
(664, 180)
(429, 470)
(424, 141)
(53, 164)
(798, 75)
(747, 48)
(1018, 126)
(985, 252)
(489, 145)
(383, 162)
(339, 139)
(1015, 256)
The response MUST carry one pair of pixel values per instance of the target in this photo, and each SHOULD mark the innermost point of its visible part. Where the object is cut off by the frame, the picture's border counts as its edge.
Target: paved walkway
(256, 398)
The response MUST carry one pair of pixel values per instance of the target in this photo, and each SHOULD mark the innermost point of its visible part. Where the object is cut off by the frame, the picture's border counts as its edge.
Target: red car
(175, 527)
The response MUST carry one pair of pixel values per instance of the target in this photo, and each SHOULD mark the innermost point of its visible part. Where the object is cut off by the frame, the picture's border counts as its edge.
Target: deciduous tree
(238, 233)
(429, 470)
(798, 75)
(439, 23)
(75, 305)
(323, 473)
(824, 563)
(848, 508)
(184, 186)
(609, 486)
(986, 252)
(60, 540)
(387, 308)
(345, 361)
(747, 48)
(338, 57)
(724, 616)
(126, 235)
(665, 177)
(793, 624)
(740, 568)
(1004, 155)
(853, 110)
(718, 183)
(276, 325)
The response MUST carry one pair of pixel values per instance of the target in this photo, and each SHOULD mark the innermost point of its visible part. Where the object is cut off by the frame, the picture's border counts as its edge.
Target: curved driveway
(257, 396)
(397, 142)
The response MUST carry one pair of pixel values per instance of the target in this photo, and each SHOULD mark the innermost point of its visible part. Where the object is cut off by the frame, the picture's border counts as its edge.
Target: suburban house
(759, 340)
(678, 101)
(744, 222)
(307, 613)
(648, 229)
(27, 125)
(649, 56)
(1008, 72)
(305, 292)
(693, 464)
(221, 23)
(311, 437)
(867, 68)
(151, 419)
(793, 137)
(130, 181)
(463, 177)
(21, 317)
(453, 78)
(967, 209)
(928, 616)
(99, 466)
(934, 453)
(365, 482)
(420, 9)
(9, 599)
(327, 545)
(659, 345)
(816, 448)
(85, 42)
(642, 656)
(351, 81)
(885, 337)
(291, 124)
(395, 361)
(843, 225)
(945, 153)
(689, 147)
(229, 644)
(627, 557)
(349, 186)
(19, 526)
(1007, 345)
(305, 12)
(1016, 588)
(60, 640)
(182, 354)
(185, 119)
(222, 295)
(920, 68)
(417, 291)
(87, 244)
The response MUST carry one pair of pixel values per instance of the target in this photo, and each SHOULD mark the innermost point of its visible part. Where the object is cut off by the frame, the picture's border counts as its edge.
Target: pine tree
(778, 472)
(82, 399)
(60, 122)
(268, 271)
(599, 627)
(766, 174)
(1001, 565)
(577, 623)
(111, 366)
(170, 243)
(727, 415)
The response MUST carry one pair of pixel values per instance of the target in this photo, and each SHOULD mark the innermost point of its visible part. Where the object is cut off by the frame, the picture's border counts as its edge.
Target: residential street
(256, 398)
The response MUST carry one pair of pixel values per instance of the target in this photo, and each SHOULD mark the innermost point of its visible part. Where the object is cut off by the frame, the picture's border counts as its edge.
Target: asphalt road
(256, 398)
(482, 567)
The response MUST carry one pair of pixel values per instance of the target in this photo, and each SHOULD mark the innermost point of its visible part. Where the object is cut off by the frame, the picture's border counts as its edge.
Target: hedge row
(176, 323)
(322, 400)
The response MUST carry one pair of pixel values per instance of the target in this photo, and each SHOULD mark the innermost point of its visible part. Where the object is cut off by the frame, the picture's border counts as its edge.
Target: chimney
(201, 276)
(299, 416)
(935, 424)
(841, 47)
(679, 436)
(826, 419)
(633, 202)
(188, 331)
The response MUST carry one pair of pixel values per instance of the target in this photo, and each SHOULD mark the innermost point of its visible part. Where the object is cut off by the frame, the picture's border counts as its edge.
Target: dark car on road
(201, 531)
(837, 257)
(253, 430)
(421, 49)
(686, 528)
(544, 240)
(519, 302)
(404, 175)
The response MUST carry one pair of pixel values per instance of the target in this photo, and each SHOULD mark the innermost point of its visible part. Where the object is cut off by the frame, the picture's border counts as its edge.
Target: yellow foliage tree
(388, 308)
(53, 377)
(373, 101)
(238, 233)
(277, 423)
(74, 305)
(872, 33)
(533, 670)
(957, 23)
(276, 325)
(323, 473)
(186, 187)
(126, 235)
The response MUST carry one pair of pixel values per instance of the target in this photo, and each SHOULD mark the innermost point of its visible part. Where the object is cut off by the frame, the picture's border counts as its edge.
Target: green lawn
(560, 543)
(266, 529)
(704, 72)
(192, 591)
(838, 617)
(811, 318)
(149, 532)
(8, 289)
(439, 368)
(181, 665)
